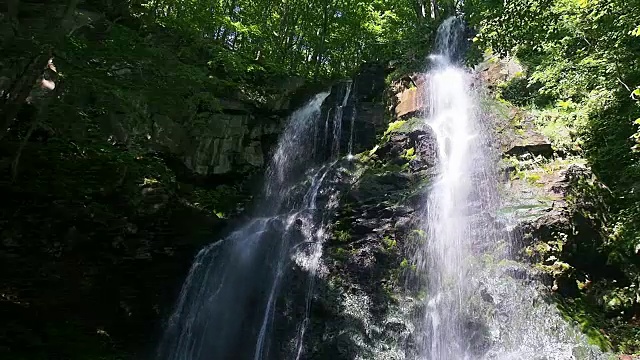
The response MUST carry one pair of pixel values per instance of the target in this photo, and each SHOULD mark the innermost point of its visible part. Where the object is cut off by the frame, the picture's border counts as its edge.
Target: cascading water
(475, 307)
(445, 254)
(226, 307)
(351, 131)
(337, 121)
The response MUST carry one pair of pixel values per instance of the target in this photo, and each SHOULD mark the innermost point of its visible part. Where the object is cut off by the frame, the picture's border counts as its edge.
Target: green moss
(395, 126)
(340, 254)
(389, 243)
(342, 236)
(402, 126)
(586, 317)
(409, 154)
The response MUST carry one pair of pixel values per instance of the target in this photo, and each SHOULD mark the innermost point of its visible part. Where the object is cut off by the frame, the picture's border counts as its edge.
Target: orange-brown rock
(410, 100)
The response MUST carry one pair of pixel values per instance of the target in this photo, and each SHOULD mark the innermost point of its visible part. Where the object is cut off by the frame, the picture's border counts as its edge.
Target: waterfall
(337, 121)
(352, 125)
(445, 255)
(227, 305)
(474, 305)
(250, 295)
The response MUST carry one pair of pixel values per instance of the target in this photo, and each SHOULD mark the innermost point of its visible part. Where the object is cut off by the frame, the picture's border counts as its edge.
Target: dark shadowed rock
(417, 147)
(530, 142)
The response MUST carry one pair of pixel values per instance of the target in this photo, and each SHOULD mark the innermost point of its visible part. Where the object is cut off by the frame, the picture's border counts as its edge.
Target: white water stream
(227, 303)
(476, 306)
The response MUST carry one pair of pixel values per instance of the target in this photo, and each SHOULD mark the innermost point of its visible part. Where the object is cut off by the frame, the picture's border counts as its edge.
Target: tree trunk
(434, 9)
(64, 24)
(23, 144)
(12, 13)
(68, 12)
(320, 52)
(420, 10)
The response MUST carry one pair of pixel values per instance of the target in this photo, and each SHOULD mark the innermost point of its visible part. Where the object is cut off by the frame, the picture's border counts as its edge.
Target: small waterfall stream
(226, 307)
(337, 121)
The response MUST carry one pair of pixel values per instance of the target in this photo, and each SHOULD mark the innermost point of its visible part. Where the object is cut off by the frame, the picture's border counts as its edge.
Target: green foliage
(580, 312)
(389, 243)
(308, 38)
(560, 125)
(409, 154)
(581, 53)
(221, 201)
(343, 236)
(136, 76)
(636, 137)
(516, 91)
(340, 254)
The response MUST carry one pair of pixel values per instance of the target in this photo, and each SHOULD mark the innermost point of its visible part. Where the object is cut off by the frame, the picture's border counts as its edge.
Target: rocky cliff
(363, 304)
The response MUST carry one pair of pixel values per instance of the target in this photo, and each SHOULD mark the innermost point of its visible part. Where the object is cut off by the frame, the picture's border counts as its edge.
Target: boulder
(421, 142)
(531, 142)
(494, 70)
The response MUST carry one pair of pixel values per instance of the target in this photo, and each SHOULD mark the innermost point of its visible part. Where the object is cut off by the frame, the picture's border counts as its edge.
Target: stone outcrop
(236, 136)
(515, 132)
(357, 309)
(364, 110)
(532, 142)
(408, 96)
(226, 142)
(494, 70)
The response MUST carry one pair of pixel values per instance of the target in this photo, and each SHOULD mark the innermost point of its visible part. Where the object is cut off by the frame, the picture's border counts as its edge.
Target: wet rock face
(359, 307)
(417, 146)
(515, 132)
(551, 206)
(411, 101)
(566, 211)
(357, 310)
(363, 114)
